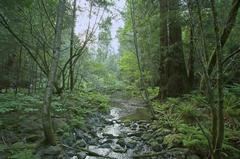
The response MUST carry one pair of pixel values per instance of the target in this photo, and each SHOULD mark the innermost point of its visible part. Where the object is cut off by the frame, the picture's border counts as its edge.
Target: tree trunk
(71, 69)
(226, 32)
(191, 60)
(173, 75)
(219, 57)
(142, 78)
(46, 116)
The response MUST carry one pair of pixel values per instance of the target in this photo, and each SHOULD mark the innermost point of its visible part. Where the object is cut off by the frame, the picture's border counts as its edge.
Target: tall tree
(220, 122)
(71, 69)
(172, 70)
(46, 115)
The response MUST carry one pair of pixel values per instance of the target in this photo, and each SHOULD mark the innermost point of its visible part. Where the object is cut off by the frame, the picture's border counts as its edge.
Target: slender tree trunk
(18, 70)
(191, 60)
(142, 79)
(232, 16)
(46, 116)
(71, 69)
(219, 57)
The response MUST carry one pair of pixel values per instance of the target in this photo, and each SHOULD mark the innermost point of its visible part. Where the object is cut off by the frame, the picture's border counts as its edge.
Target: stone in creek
(110, 136)
(82, 155)
(136, 138)
(134, 125)
(80, 143)
(146, 136)
(108, 141)
(138, 134)
(106, 145)
(71, 153)
(74, 157)
(131, 144)
(93, 142)
(121, 142)
(156, 146)
(119, 149)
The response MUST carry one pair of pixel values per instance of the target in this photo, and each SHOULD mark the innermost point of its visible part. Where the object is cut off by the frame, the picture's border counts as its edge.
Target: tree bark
(142, 78)
(46, 115)
(71, 69)
(219, 57)
(173, 74)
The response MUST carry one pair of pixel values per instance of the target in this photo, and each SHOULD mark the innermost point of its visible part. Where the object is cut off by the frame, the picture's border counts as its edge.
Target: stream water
(117, 139)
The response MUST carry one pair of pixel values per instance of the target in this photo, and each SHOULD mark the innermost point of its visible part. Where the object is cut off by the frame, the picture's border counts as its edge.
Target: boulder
(131, 144)
(119, 149)
(121, 142)
(106, 145)
(80, 143)
(82, 155)
(156, 146)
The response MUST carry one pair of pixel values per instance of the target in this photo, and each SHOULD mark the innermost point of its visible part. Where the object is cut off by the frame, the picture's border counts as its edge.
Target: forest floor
(125, 131)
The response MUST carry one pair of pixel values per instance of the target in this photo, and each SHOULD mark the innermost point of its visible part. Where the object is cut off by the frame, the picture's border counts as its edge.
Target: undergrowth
(185, 115)
(71, 110)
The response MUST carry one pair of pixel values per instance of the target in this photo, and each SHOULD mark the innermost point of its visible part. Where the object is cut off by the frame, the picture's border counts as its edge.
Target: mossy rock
(140, 114)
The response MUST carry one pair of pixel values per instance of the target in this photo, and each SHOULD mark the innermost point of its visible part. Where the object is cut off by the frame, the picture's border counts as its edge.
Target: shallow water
(117, 129)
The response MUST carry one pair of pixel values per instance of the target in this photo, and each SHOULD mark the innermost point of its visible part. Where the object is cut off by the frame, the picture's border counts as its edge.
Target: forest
(119, 79)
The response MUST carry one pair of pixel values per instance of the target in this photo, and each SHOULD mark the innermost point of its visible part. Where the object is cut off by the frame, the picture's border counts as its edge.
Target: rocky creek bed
(112, 135)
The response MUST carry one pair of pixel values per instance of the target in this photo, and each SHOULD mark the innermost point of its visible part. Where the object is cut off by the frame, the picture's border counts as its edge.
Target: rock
(136, 138)
(121, 142)
(70, 140)
(134, 126)
(71, 153)
(79, 134)
(107, 141)
(74, 157)
(131, 144)
(138, 134)
(93, 142)
(156, 146)
(52, 150)
(82, 155)
(108, 146)
(193, 157)
(80, 143)
(109, 136)
(119, 149)
(146, 136)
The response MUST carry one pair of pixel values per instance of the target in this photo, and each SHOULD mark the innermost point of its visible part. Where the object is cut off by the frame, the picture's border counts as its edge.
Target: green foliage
(25, 154)
(193, 137)
(20, 150)
(180, 114)
(173, 139)
(9, 102)
(232, 105)
(128, 67)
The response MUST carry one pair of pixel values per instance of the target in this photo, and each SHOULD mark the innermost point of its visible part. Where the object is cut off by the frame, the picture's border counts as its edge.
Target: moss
(173, 140)
(140, 114)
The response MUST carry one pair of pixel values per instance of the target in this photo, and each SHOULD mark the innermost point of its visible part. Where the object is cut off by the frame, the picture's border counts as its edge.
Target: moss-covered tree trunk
(173, 75)
(46, 115)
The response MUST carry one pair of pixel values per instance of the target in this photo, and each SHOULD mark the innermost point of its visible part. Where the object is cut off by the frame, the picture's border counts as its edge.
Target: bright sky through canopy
(83, 20)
